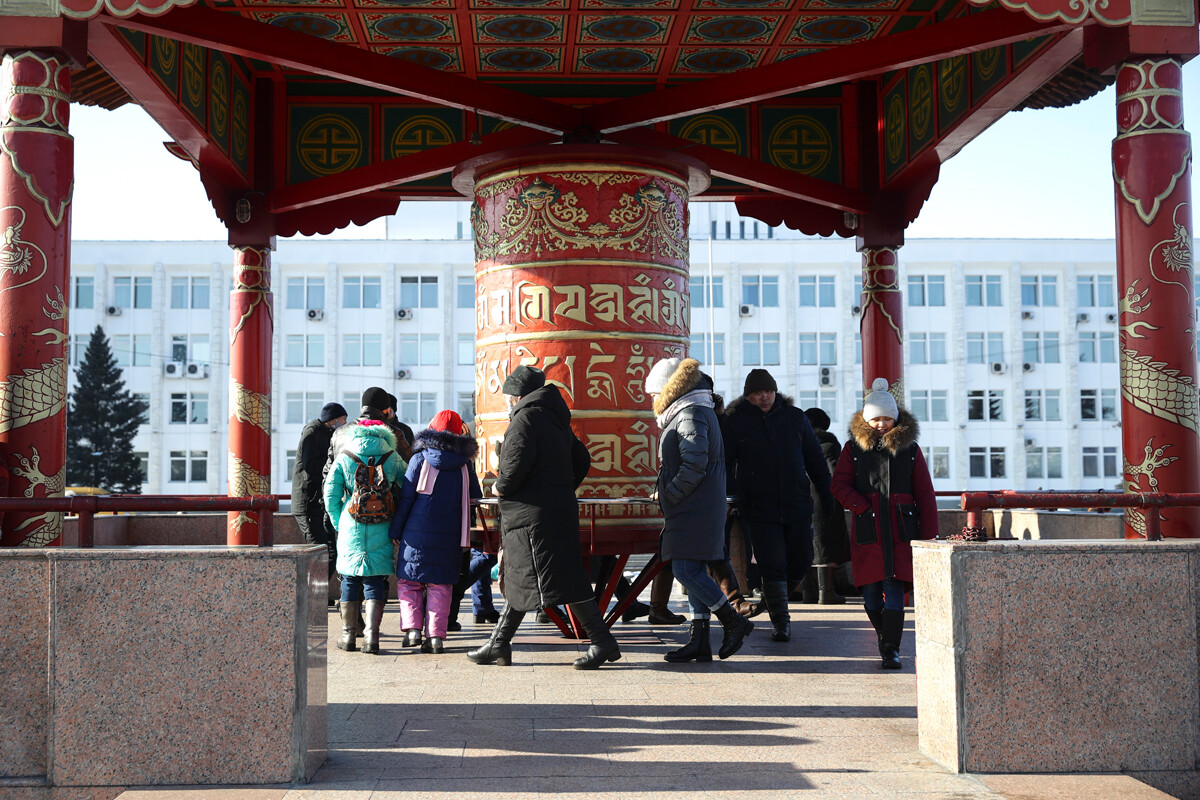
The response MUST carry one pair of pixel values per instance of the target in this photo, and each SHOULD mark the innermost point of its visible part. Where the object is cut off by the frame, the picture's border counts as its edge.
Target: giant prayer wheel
(581, 270)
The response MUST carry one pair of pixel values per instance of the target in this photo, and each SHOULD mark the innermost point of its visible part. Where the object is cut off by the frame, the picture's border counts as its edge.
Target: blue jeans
(354, 586)
(887, 594)
(703, 592)
(481, 590)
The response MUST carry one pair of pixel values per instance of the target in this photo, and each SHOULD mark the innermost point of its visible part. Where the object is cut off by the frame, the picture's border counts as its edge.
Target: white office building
(1010, 345)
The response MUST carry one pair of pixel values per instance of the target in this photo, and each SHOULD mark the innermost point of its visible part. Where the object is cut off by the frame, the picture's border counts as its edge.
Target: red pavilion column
(1160, 422)
(251, 326)
(882, 323)
(582, 271)
(37, 163)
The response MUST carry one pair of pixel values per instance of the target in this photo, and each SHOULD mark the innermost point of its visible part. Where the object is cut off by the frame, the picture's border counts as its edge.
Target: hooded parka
(363, 549)
(429, 526)
(831, 544)
(883, 480)
(770, 459)
(691, 474)
(541, 464)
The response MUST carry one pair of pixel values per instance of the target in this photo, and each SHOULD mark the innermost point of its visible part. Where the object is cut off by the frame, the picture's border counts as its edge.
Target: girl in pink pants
(432, 524)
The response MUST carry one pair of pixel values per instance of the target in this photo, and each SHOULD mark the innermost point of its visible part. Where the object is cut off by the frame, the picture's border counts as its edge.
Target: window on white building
(824, 399)
(1091, 462)
(927, 348)
(466, 348)
(417, 408)
(985, 405)
(1040, 347)
(984, 348)
(938, 461)
(986, 462)
(1098, 404)
(84, 295)
(858, 348)
(419, 291)
(983, 290)
(1096, 291)
(143, 459)
(928, 405)
(362, 291)
(466, 407)
(761, 290)
(419, 349)
(133, 292)
(362, 350)
(304, 350)
(760, 349)
(144, 399)
(1039, 290)
(464, 293)
(708, 348)
(707, 292)
(289, 464)
(1110, 462)
(300, 407)
(189, 291)
(1108, 348)
(1087, 347)
(188, 466)
(306, 293)
(818, 291)
(189, 408)
(927, 290)
(1043, 462)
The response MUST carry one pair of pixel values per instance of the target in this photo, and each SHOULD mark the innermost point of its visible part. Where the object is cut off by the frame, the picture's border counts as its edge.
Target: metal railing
(87, 506)
(975, 503)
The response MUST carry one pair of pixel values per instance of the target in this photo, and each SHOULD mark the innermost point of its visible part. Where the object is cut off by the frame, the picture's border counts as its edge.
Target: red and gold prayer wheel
(1160, 415)
(37, 159)
(582, 271)
(250, 330)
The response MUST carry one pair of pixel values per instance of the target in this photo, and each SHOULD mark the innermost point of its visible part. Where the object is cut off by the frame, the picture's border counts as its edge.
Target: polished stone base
(1058, 656)
(163, 665)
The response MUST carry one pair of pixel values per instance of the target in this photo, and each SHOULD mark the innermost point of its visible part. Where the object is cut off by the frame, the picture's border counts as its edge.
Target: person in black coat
(308, 505)
(772, 455)
(541, 564)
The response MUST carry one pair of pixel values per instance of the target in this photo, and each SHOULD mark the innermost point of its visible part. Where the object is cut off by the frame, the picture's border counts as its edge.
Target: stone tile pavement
(814, 718)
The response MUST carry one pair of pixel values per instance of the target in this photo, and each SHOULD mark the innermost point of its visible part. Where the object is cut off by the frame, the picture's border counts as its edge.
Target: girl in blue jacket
(432, 524)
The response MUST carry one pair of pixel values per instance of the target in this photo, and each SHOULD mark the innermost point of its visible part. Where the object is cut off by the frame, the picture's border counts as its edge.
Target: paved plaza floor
(813, 718)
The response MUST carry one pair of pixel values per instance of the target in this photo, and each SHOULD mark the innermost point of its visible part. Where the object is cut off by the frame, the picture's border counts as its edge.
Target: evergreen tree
(102, 419)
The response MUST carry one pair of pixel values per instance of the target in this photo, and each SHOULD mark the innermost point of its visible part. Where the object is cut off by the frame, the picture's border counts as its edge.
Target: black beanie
(332, 411)
(523, 380)
(759, 380)
(375, 398)
(817, 418)
(392, 402)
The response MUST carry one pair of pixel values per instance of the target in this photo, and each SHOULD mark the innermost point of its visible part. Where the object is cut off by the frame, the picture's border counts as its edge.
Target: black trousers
(783, 550)
(316, 528)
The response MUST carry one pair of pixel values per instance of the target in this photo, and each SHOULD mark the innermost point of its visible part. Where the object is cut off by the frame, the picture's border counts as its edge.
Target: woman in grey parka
(691, 492)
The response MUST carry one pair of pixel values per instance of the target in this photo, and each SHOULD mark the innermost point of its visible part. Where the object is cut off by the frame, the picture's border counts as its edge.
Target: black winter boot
(350, 612)
(809, 592)
(827, 594)
(604, 644)
(891, 630)
(737, 628)
(775, 594)
(498, 648)
(697, 648)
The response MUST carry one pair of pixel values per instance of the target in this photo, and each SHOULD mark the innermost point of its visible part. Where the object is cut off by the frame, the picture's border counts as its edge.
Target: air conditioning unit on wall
(826, 376)
(173, 369)
(745, 310)
(113, 311)
(197, 370)
(316, 314)
(403, 374)
(998, 367)
(404, 313)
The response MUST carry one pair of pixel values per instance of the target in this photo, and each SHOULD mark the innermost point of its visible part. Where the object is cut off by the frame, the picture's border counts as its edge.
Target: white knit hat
(879, 403)
(660, 373)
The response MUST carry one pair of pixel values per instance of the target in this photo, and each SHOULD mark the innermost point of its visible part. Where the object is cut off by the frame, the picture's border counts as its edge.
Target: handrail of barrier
(975, 503)
(87, 506)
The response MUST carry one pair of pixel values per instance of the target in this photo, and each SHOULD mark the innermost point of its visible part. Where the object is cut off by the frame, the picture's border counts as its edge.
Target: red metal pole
(1160, 429)
(250, 330)
(37, 163)
(882, 323)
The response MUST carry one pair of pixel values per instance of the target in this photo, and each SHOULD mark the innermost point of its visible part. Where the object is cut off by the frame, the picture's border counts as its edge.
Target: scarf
(696, 397)
(426, 480)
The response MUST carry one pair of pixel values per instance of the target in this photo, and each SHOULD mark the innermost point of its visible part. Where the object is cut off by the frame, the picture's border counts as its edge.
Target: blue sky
(1034, 174)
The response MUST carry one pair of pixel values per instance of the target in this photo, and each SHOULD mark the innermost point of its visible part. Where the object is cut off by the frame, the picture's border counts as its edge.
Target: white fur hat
(879, 402)
(660, 373)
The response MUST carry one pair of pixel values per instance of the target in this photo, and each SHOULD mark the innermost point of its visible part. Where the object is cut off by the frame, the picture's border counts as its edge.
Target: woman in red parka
(882, 478)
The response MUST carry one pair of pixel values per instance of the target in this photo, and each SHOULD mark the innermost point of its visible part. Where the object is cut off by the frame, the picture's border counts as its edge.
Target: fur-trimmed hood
(743, 405)
(905, 432)
(687, 377)
(445, 448)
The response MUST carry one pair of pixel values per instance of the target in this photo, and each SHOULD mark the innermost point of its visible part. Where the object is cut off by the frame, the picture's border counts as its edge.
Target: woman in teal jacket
(364, 550)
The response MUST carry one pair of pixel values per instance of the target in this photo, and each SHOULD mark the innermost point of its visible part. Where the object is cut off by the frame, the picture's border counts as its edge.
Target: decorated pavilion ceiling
(817, 104)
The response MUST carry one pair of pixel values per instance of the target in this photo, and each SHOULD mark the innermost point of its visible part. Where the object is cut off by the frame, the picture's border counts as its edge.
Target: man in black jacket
(542, 463)
(308, 505)
(772, 455)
